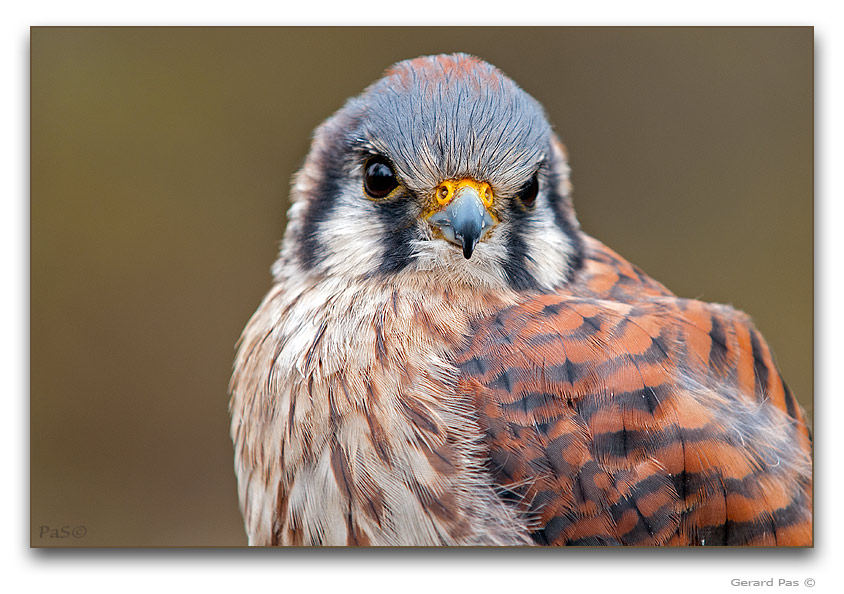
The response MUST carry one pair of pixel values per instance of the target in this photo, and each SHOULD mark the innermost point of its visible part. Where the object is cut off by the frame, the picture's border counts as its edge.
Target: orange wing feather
(617, 413)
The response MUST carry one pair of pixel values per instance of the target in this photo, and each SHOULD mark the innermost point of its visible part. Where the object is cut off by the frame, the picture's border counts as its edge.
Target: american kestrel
(445, 358)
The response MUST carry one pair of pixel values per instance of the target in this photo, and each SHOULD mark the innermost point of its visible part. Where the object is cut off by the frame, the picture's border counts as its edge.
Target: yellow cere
(447, 189)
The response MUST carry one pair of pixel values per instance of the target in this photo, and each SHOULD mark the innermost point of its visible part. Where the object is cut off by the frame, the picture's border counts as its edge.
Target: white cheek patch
(352, 239)
(548, 248)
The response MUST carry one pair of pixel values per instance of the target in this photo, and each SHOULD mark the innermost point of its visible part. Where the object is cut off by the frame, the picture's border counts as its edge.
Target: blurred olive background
(160, 167)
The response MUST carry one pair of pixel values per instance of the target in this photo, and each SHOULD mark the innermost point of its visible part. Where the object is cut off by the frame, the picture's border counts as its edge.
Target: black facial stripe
(518, 276)
(330, 162)
(557, 202)
(310, 251)
(515, 266)
(398, 217)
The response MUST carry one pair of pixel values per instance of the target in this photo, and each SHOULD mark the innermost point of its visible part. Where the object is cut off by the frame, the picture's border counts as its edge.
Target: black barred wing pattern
(659, 422)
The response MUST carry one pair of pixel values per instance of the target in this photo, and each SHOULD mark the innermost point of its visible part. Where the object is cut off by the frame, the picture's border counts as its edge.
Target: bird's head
(443, 171)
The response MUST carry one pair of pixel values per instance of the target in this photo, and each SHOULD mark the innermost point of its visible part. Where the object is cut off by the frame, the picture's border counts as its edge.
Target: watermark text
(62, 532)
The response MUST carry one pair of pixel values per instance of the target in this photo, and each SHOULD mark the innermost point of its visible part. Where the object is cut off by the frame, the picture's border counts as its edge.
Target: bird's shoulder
(606, 275)
(620, 413)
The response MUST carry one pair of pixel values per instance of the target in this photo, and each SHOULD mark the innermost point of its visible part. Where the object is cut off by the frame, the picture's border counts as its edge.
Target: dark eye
(528, 193)
(378, 178)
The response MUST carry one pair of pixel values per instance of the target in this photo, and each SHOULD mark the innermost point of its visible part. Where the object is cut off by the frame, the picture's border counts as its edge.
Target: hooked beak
(466, 218)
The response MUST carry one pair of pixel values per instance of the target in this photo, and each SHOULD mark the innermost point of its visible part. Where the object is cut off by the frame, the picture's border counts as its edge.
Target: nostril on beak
(464, 221)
